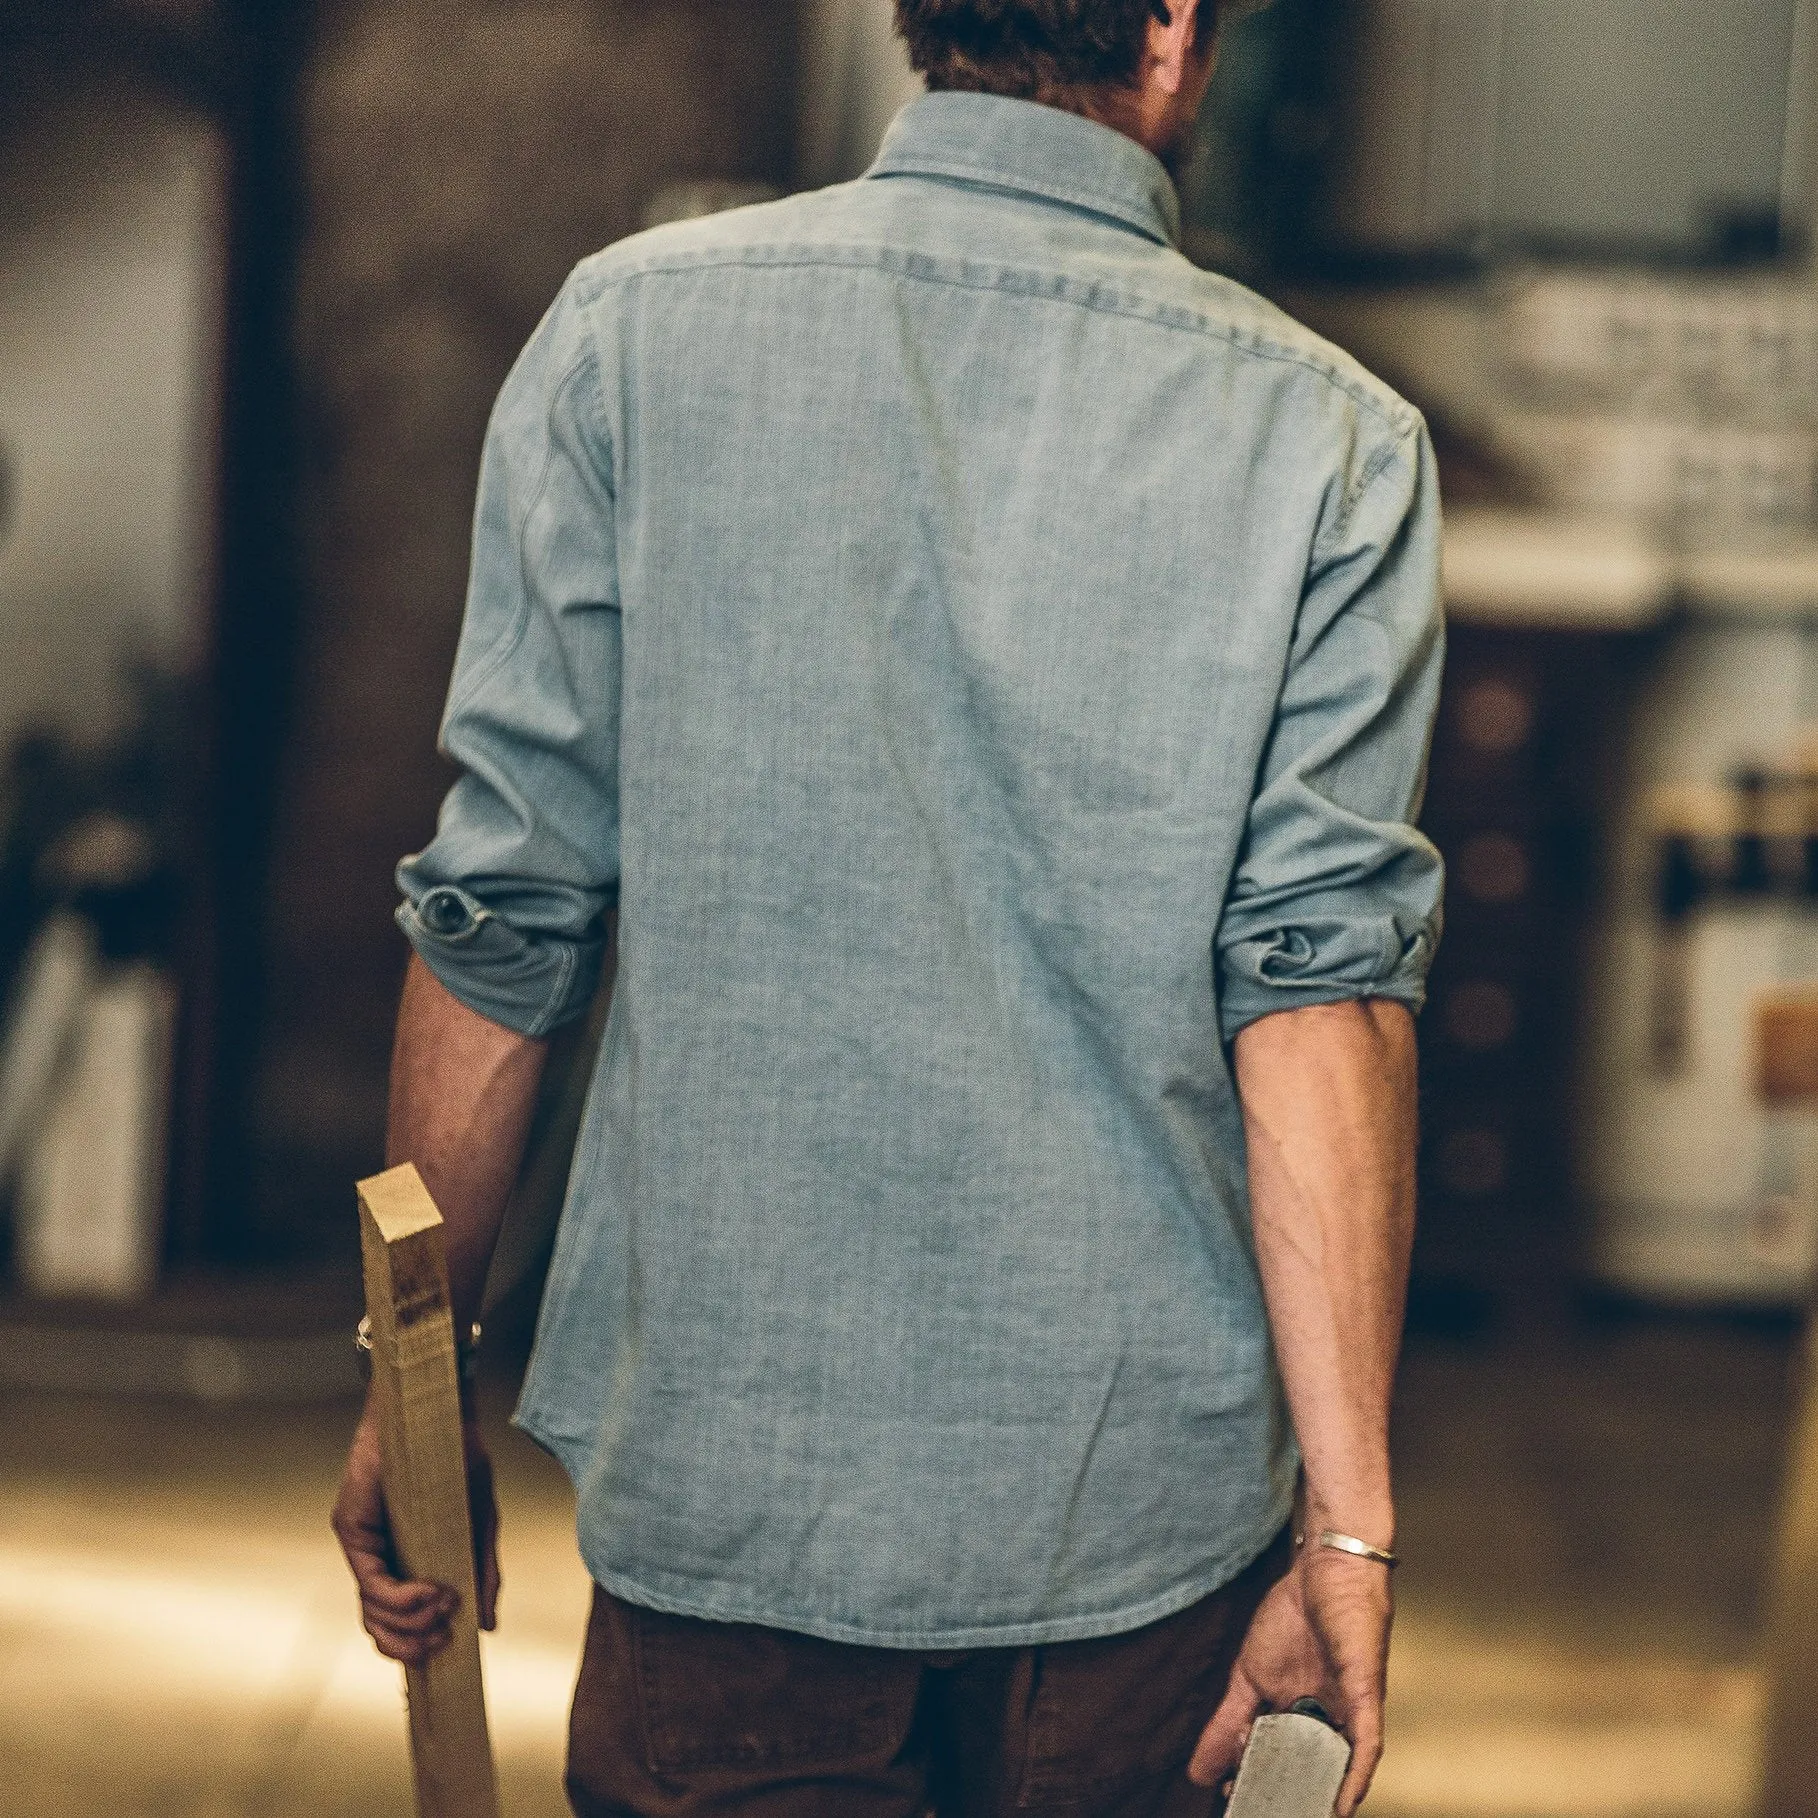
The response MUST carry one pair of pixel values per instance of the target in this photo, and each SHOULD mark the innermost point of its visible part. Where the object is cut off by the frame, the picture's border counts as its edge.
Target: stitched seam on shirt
(1120, 1619)
(1373, 470)
(1406, 986)
(501, 653)
(1035, 282)
(558, 992)
(1153, 227)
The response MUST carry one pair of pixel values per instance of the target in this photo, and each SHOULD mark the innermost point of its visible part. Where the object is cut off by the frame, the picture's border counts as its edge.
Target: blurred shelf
(277, 1338)
(1553, 570)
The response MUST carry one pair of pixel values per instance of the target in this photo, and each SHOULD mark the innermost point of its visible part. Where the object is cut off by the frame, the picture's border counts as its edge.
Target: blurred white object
(91, 1203)
(1688, 404)
(1671, 423)
(1698, 1192)
(54, 981)
(101, 851)
(700, 196)
(1694, 484)
(1542, 568)
(1710, 347)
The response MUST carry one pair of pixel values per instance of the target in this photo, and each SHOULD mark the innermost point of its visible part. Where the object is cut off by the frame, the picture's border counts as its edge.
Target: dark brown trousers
(675, 1717)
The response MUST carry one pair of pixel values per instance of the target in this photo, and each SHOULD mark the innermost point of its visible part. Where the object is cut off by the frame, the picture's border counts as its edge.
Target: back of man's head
(1036, 50)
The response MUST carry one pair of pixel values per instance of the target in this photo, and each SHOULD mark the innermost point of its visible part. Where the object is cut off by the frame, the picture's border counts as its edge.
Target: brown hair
(1033, 49)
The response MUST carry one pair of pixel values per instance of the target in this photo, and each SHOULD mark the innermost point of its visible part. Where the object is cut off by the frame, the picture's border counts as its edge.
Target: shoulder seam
(1372, 470)
(1059, 287)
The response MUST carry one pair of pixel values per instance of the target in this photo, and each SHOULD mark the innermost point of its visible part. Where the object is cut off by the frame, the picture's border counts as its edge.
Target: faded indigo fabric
(989, 662)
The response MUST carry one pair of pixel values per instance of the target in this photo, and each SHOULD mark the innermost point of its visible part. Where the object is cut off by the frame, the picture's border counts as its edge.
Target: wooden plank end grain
(417, 1388)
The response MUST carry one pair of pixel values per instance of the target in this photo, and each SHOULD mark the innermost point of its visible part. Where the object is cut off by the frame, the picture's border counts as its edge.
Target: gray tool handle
(1292, 1768)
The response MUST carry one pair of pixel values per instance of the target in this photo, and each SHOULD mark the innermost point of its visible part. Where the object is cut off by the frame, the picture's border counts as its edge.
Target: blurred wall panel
(1420, 160)
(1799, 170)
(1634, 119)
(855, 76)
(460, 156)
(1634, 124)
(110, 276)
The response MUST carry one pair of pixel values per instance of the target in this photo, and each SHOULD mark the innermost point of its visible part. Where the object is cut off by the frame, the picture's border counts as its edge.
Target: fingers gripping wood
(425, 1473)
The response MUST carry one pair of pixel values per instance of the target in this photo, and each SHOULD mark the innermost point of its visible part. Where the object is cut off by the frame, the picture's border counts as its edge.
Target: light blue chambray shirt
(989, 662)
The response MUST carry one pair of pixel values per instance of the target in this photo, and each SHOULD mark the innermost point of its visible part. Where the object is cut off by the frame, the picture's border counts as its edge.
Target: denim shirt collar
(1028, 149)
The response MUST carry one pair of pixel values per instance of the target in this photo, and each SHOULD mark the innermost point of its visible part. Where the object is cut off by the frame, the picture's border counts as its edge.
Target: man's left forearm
(1329, 1116)
(1328, 1100)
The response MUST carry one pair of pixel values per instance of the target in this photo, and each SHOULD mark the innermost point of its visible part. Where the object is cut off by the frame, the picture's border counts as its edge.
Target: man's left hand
(1322, 1632)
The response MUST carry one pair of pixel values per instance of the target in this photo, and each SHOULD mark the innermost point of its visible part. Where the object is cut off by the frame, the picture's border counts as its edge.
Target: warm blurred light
(1480, 1726)
(125, 1633)
(1539, 1728)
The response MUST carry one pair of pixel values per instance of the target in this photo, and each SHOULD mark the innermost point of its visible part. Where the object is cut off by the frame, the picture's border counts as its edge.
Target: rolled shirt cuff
(531, 984)
(1323, 963)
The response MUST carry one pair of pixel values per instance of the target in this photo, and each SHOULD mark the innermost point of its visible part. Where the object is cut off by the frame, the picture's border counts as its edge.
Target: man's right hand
(409, 1619)
(1322, 1632)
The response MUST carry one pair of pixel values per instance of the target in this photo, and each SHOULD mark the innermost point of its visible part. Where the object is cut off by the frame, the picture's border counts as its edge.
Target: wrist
(1370, 1518)
(468, 1334)
(1356, 1530)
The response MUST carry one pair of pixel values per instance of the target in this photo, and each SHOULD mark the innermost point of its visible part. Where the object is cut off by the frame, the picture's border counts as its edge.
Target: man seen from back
(986, 664)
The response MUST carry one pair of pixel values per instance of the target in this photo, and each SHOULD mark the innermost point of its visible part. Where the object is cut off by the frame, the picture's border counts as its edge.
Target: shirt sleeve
(507, 903)
(1336, 894)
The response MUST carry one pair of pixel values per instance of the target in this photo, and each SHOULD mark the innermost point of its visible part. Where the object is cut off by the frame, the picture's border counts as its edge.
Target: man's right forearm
(462, 1092)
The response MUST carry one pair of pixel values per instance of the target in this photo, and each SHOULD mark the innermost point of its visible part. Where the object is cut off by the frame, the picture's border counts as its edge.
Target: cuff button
(443, 912)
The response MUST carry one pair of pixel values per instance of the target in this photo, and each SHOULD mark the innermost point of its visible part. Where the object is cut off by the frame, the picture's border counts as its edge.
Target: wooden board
(418, 1389)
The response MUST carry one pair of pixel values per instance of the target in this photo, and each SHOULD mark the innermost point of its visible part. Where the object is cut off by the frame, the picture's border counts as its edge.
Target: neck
(1158, 110)
(1155, 123)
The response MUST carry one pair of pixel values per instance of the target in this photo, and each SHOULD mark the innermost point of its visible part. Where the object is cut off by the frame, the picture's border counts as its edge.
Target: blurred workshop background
(263, 264)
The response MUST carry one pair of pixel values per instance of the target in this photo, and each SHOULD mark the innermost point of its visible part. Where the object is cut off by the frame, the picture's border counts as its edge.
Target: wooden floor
(1586, 1518)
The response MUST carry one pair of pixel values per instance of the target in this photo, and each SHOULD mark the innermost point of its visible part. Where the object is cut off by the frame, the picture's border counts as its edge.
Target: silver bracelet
(1349, 1543)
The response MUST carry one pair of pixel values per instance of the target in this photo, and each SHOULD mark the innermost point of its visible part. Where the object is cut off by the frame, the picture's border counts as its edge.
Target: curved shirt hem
(734, 1605)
